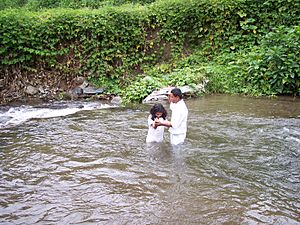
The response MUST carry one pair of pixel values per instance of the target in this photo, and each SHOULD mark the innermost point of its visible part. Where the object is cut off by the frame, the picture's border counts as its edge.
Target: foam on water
(18, 115)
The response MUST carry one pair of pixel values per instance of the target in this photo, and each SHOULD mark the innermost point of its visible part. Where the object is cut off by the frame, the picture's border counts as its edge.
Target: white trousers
(177, 138)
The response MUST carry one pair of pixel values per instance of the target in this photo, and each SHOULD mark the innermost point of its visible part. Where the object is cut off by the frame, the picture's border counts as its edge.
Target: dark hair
(177, 92)
(158, 108)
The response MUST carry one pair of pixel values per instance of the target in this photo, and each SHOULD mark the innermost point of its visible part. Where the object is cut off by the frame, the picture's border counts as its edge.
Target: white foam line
(18, 115)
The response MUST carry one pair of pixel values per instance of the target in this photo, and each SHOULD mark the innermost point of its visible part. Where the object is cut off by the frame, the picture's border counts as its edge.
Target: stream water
(88, 163)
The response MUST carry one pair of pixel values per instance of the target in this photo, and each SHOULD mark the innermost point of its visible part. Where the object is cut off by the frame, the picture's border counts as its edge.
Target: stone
(158, 95)
(77, 91)
(162, 94)
(30, 90)
(116, 100)
(92, 91)
(79, 80)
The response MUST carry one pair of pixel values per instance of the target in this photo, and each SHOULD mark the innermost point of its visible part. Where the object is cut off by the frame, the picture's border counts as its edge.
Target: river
(88, 163)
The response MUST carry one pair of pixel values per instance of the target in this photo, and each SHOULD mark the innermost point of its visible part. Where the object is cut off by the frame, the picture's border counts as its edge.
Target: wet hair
(177, 92)
(158, 108)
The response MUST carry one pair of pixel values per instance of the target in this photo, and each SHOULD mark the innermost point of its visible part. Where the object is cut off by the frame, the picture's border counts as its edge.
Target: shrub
(274, 66)
(116, 44)
(270, 68)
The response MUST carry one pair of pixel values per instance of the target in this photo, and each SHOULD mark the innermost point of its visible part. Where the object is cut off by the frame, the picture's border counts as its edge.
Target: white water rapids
(11, 116)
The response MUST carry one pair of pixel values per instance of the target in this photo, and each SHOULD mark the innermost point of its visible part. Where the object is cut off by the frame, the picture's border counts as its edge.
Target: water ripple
(238, 166)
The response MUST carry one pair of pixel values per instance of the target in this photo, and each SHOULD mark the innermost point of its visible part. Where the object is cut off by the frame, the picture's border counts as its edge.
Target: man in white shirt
(178, 123)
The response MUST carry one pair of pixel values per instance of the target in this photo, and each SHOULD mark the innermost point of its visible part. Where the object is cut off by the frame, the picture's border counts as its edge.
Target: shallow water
(88, 163)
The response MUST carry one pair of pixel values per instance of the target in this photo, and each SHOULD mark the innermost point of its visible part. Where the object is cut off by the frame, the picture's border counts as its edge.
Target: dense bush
(272, 67)
(37, 5)
(7, 4)
(103, 42)
(243, 45)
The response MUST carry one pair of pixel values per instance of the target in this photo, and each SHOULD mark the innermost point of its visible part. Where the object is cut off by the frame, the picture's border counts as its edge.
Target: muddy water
(88, 163)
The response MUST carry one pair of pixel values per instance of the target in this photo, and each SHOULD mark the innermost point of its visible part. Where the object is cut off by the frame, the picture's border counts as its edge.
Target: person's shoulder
(182, 102)
(183, 105)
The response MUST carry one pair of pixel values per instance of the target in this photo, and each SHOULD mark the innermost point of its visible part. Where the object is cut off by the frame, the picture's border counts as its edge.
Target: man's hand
(164, 123)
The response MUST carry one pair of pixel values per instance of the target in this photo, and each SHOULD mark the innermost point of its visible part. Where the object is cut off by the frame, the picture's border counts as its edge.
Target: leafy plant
(274, 67)
(243, 46)
(270, 68)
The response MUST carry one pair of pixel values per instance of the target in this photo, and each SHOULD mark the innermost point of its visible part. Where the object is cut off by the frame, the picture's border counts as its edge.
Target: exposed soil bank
(40, 89)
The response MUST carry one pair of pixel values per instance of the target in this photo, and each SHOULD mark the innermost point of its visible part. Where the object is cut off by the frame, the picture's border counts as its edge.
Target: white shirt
(179, 117)
(155, 135)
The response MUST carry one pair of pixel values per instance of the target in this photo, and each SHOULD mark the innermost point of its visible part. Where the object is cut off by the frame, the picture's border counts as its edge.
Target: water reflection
(239, 165)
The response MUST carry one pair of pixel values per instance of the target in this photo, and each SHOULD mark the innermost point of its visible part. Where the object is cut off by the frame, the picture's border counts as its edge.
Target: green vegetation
(244, 46)
(36, 5)
(269, 68)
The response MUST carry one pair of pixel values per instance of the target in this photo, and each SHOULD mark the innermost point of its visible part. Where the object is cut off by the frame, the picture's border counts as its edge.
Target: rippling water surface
(88, 163)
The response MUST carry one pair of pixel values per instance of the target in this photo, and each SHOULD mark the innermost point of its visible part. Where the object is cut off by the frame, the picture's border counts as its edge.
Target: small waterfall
(13, 116)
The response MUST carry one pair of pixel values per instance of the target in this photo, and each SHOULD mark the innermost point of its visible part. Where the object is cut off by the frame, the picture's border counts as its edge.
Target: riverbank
(42, 52)
(43, 89)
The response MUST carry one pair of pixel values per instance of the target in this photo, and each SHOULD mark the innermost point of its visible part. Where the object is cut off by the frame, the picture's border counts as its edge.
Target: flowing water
(88, 163)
